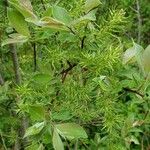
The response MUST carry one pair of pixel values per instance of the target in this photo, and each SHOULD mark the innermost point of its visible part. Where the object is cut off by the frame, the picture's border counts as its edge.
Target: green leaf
(57, 142)
(24, 7)
(88, 17)
(135, 130)
(62, 115)
(134, 140)
(18, 22)
(50, 22)
(131, 54)
(37, 112)
(15, 38)
(146, 60)
(41, 147)
(91, 4)
(35, 129)
(33, 146)
(48, 12)
(71, 130)
(42, 78)
(61, 14)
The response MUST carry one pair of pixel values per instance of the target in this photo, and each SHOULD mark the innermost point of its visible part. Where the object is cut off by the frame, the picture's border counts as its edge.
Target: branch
(139, 21)
(64, 74)
(1, 80)
(34, 57)
(15, 63)
(66, 71)
(82, 42)
(133, 91)
(24, 119)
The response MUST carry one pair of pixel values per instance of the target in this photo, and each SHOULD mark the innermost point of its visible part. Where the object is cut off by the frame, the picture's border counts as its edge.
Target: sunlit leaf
(15, 38)
(132, 54)
(57, 142)
(146, 59)
(35, 129)
(51, 22)
(91, 4)
(26, 4)
(88, 17)
(24, 7)
(71, 130)
(18, 22)
(61, 14)
(134, 140)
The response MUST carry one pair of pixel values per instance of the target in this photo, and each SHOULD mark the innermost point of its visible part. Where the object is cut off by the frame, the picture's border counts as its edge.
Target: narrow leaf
(134, 140)
(50, 22)
(57, 142)
(15, 38)
(26, 4)
(146, 60)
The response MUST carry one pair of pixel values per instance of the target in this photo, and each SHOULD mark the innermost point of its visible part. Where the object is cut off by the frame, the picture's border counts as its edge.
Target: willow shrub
(73, 90)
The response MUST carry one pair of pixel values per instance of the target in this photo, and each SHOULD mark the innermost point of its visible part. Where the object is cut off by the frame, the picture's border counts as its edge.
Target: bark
(24, 120)
(139, 21)
(15, 61)
(15, 64)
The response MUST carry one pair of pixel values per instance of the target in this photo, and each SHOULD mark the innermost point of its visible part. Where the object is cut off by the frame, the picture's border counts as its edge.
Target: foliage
(67, 80)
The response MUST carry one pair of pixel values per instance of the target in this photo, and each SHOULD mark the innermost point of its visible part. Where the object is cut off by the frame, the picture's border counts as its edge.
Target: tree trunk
(24, 120)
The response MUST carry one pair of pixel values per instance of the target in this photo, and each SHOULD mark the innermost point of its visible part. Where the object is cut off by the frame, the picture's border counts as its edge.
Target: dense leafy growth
(74, 75)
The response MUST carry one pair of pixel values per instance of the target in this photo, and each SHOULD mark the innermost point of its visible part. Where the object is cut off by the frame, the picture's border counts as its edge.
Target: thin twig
(133, 91)
(66, 71)
(139, 21)
(82, 42)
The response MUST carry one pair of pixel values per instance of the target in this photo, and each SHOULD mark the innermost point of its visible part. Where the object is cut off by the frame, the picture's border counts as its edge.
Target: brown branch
(24, 119)
(139, 21)
(64, 74)
(82, 42)
(15, 63)
(66, 71)
(133, 91)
